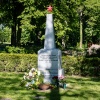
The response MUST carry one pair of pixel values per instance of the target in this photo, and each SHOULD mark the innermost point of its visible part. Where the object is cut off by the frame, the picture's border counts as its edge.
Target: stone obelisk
(49, 58)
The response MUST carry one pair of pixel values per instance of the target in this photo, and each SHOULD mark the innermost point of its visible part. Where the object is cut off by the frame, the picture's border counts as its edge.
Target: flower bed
(34, 80)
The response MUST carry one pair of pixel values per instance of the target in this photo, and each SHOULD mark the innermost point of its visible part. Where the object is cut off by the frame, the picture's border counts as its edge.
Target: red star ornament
(49, 8)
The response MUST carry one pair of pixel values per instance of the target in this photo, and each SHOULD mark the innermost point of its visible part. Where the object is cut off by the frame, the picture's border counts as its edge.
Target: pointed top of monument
(49, 8)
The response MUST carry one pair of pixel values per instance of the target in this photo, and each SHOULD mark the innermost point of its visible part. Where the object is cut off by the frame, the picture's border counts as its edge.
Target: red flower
(55, 77)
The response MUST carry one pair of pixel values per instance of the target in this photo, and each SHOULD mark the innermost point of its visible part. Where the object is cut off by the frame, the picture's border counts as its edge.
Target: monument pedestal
(49, 63)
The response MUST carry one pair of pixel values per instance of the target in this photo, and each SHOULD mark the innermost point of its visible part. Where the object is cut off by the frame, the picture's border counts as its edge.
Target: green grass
(79, 88)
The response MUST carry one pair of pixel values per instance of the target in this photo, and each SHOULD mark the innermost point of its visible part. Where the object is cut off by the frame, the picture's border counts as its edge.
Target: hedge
(72, 65)
(81, 65)
(17, 62)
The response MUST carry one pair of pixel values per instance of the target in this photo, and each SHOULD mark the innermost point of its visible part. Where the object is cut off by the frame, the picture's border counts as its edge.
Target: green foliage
(11, 49)
(72, 65)
(92, 20)
(63, 21)
(81, 66)
(32, 21)
(25, 36)
(26, 18)
(5, 34)
(17, 62)
(90, 67)
(24, 49)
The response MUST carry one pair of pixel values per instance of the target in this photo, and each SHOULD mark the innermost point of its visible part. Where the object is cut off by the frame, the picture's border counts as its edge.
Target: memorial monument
(49, 58)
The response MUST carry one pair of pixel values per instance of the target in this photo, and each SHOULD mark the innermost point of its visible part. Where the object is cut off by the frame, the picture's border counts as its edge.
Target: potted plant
(44, 86)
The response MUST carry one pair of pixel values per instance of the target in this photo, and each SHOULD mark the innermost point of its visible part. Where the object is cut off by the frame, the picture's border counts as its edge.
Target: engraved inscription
(48, 58)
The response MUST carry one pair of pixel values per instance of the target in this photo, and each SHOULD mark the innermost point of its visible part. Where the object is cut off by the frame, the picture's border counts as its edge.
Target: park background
(76, 24)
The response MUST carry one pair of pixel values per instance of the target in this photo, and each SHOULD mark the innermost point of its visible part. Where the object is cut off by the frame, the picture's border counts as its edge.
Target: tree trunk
(81, 30)
(13, 35)
(19, 33)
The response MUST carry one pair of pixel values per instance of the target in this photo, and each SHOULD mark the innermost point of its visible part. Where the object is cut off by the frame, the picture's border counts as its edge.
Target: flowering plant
(32, 79)
(59, 81)
(62, 79)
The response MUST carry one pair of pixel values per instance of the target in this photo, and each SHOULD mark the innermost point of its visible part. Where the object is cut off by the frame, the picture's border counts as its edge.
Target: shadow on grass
(81, 88)
(83, 94)
(84, 80)
(55, 94)
(9, 82)
(69, 95)
(47, 94)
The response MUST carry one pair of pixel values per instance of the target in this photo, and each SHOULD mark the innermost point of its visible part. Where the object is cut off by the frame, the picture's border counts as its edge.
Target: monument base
(49, 63)
(48, 76)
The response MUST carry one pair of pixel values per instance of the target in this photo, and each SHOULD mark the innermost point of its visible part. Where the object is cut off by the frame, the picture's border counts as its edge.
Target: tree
(26, 18)
(10, 10)
(92, 21)
(5, 34)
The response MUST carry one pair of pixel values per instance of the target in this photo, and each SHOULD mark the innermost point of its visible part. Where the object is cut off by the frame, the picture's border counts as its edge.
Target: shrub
(21, 50)
(11, 49)
(90, 66)
(81, 65)
(17, 62)
(72, 65)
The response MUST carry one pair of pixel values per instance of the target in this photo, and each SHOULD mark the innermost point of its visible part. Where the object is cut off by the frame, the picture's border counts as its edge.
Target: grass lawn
(79, 88)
